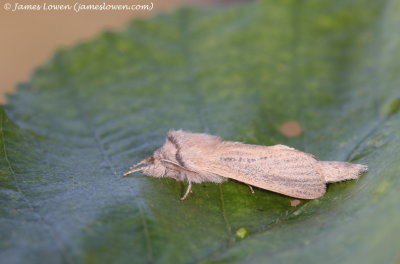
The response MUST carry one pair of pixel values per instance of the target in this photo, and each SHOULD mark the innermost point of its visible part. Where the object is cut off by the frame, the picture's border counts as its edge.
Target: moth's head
(155, 168)
(166, 161)
(150, 166)
(157, 165)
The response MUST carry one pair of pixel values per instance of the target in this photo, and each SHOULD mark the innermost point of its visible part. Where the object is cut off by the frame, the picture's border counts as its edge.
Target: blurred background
(29, 38)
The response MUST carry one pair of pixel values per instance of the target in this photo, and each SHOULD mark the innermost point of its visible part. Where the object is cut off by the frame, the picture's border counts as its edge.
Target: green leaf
(237, 72)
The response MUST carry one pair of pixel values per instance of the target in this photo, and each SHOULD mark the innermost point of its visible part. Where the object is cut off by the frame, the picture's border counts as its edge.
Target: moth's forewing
(275, 168)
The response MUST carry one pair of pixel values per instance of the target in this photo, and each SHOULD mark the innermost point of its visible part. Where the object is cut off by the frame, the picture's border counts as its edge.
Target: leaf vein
(106, 157)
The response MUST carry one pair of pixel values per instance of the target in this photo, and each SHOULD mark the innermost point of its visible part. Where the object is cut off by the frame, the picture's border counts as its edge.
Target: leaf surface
(240, 73)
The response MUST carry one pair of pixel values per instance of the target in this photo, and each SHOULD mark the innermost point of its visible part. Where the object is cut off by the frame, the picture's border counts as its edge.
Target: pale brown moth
(195, 157)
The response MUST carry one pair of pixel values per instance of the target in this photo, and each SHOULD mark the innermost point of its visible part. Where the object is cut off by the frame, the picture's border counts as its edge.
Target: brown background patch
(29, 38)
(291, 129)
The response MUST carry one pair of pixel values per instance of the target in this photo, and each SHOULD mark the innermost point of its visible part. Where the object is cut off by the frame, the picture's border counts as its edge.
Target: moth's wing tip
(364, 168)
(361, 170)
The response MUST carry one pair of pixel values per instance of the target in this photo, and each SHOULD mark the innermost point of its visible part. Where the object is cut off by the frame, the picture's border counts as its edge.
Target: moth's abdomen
(336, 171)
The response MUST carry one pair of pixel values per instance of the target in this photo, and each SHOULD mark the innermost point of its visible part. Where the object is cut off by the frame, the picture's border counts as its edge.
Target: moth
(197, 158)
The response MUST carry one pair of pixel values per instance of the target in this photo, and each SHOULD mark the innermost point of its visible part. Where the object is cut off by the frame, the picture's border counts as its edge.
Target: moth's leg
(251, 189)
(189, 188)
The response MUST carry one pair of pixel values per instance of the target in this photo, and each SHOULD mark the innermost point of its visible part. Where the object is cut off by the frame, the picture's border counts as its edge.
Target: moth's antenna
(174, 163)
(133, 168)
